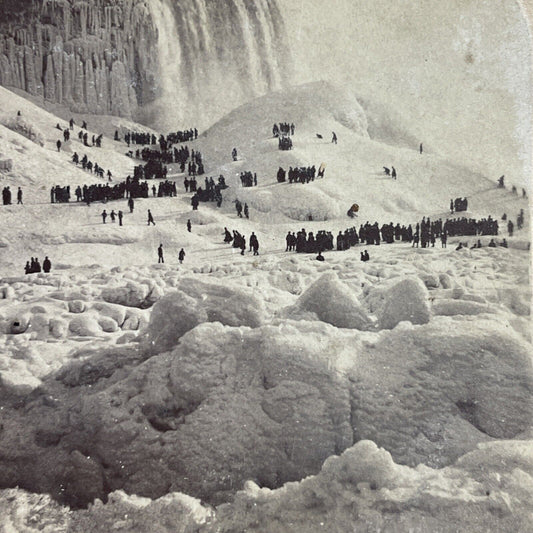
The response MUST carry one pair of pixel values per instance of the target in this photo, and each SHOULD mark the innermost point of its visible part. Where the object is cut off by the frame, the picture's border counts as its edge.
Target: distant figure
(504, 216)
(150, 218)
(243, 244)
(501, 183)
(513, 189)
(19, 196)
(393, 173)
(160, 254)
(27, 268)
(19, 114)
(443, 239)
(320, 257)
(334, 137)
(71, 123)
(460, 247)
(234, 154)
(319, 136)
(387, 171)
(120, 215)
(104, 216)
(510, 228)
(245, 210)
(181, 255)
(524, 193)
(504, 243)
(131, 204)
(254, 243)
(492, 244)
(421, 148)
(109, 176)
(189, 225)
(112, 215)
(58, 144)
(451, 205)
(47, 265)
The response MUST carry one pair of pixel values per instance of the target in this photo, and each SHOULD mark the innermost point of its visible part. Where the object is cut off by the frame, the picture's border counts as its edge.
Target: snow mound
(407, 300)
(331, 301)
(194, 303)
(20, 125)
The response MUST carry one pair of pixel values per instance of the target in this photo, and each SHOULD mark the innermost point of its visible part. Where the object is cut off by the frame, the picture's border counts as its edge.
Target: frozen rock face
(117, 56)
(94, 57)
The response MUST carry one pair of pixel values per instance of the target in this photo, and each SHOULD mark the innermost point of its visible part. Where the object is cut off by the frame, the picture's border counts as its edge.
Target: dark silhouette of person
(160, 254)
(47, 265)
(120, 215)
(19, 196)
(104, 216)
(150, 218)
(181, 255)
(58, 144)
(334, 137)
(320, 257)
(189, 225)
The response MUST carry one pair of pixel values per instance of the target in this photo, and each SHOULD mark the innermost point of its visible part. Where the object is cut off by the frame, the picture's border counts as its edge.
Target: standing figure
(181, 255)
(150, 218)
(160, 258)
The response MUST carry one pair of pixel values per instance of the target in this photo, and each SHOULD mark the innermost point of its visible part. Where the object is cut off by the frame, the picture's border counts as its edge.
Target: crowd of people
(300, 174)
(242, 210)
(34, 266)
(283, 128)
(248, 179)
(459, 204)
(284, 143)
(303, 242)
(165, 142)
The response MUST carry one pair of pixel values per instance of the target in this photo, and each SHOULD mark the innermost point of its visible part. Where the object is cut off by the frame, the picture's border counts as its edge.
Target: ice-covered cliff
(196, 58)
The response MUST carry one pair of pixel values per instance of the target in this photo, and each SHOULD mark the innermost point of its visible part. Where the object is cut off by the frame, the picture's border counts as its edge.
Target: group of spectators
(248, 179)
(283, 128)
(459, 204)
(34, 266)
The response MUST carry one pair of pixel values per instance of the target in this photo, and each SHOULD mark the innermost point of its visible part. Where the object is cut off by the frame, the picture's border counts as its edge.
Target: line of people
(94, 168)
(6, 196)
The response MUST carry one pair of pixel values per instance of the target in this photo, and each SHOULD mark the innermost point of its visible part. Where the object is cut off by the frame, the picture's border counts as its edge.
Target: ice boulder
(333, 302)
(133, 294)
(84, 326)
(407, 300)
(196, 302)
(76, 306)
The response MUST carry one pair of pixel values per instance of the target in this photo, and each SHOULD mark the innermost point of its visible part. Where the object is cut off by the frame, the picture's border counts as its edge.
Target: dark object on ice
(234, 154)
(421, 148)
(492, 244)
(352, 212)
(504, 243)
(501, 184)
(320, 257)
(460, 204)
(365, 256)
(513, 189)
(319, 136)
(181, 255)
(47, 265)
(334, 137)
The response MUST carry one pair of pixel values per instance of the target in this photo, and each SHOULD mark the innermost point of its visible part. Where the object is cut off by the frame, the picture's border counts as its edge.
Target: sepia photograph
(265, 266)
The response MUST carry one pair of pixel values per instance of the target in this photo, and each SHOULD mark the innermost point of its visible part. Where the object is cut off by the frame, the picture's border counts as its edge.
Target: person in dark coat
(104, 216)
(189, 225)
(131, 204)
(254, 243)
(150, 218)
(19, 196)
(160, 258)
(181, 255)
(27, 268)
(47, 265)
(320, 257)
(58, 144)
(120, 215)
(243, 244)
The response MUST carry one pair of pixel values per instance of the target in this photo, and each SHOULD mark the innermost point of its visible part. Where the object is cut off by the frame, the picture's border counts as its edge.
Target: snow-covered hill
(182, 381)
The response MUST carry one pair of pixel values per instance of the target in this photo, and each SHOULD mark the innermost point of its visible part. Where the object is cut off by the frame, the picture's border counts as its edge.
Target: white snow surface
(284, 393)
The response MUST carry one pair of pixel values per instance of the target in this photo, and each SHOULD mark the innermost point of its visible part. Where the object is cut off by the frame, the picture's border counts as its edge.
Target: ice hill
(354, 174)
(284, 392)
